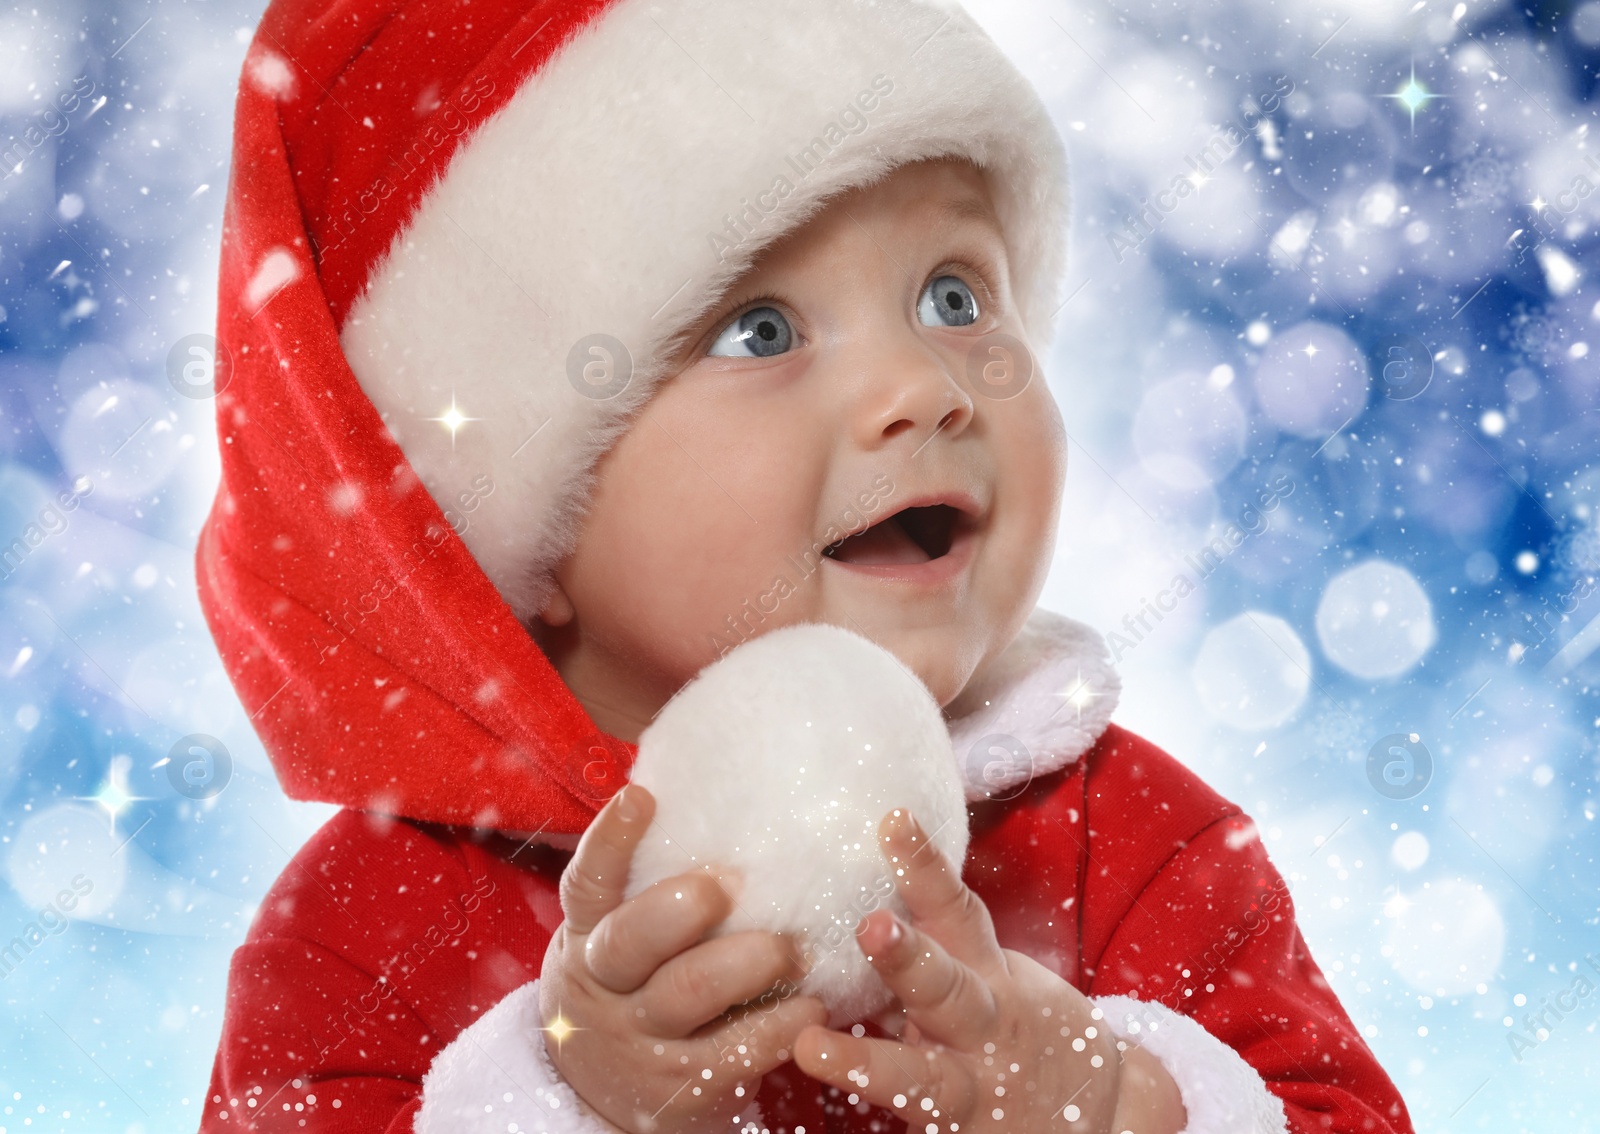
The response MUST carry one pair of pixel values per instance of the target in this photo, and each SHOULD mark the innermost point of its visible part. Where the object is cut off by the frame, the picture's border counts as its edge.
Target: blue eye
(758, 333)
(947, 302)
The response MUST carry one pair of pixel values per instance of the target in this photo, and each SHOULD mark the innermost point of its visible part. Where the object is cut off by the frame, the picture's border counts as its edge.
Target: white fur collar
(1038, 707)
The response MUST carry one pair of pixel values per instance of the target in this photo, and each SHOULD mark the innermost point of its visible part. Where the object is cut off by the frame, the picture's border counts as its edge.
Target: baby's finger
(637, 937)
(700, 984)
(943, 997)
(593, 883)
(925, 1087)
(938, 900)
(758, 1038)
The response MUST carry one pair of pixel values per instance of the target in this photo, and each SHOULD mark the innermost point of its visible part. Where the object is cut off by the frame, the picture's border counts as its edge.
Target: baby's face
(822, 455)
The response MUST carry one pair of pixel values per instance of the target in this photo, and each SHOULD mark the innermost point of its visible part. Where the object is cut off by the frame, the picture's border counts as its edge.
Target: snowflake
(1531, 333)
(1334, 734)
(1482, 181)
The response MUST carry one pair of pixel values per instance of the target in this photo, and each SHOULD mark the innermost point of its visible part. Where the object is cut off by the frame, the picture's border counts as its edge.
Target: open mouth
(911, 535)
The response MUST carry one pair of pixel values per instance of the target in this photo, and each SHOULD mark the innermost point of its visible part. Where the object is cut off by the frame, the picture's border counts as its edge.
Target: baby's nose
(911, 390)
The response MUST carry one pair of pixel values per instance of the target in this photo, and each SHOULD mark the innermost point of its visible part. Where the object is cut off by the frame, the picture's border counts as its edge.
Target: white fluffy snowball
(780, 759)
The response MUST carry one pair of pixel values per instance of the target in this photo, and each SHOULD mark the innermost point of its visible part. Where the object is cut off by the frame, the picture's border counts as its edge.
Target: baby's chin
(942, 657)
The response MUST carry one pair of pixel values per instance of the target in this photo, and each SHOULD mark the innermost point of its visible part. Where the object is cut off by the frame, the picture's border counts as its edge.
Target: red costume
(374, 637)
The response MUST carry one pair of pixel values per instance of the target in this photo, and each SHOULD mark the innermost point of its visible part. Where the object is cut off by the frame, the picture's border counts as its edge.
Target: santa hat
(490, 215)
(518, 206)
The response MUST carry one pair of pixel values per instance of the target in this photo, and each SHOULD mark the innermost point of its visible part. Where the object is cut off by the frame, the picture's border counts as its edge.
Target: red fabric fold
(1122, 873)
(379, 665)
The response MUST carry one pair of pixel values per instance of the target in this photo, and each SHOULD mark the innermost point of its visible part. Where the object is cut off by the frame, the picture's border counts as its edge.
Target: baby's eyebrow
(969, 208)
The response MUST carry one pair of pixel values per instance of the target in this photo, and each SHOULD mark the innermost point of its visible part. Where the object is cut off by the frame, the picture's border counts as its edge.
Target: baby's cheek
(1030, 470)
(1036, 457)
(732, 584)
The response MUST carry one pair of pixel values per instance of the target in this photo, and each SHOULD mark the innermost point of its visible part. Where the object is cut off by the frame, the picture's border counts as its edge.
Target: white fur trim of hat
(519, 319)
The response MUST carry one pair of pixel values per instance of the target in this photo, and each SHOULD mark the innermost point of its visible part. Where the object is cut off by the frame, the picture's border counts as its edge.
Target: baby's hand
(643, 994)
(994, 1040)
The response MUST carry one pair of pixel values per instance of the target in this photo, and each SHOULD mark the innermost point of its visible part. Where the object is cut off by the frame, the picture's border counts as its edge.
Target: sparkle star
(453, 419)
(1413, 96)
(112, 796)
(560, 1028)
(1310, 350)
(1078, 695)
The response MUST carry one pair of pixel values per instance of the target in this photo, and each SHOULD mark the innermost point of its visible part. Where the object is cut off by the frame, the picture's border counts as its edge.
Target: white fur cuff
(496, 1077)
(1222, 1093)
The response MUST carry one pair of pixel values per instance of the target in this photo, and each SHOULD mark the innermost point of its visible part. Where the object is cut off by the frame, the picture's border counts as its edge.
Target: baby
(526, 426)
(851, 364)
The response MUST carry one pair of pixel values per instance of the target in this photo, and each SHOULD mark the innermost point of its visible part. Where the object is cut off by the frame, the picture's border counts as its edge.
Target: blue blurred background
(1327, 359)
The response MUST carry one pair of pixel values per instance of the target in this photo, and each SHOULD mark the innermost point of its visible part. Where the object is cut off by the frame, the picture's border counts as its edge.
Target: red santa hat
(487, 221)
(558, 189)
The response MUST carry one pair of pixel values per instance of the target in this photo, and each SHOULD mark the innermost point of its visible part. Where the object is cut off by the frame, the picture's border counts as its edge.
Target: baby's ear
(557, 609)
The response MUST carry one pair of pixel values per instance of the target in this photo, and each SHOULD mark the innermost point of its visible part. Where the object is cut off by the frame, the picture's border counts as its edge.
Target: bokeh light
(1362, 177)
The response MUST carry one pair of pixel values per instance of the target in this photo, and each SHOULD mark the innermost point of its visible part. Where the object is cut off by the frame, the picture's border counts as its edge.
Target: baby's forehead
(954, 187)
(938, 195)
(970, 206)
